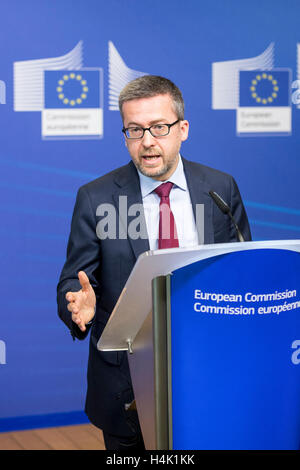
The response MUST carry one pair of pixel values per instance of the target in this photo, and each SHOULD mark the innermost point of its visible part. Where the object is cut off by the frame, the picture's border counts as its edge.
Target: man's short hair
(152, 85)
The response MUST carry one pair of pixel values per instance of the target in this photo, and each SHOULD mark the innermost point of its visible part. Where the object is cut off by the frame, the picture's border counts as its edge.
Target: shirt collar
(148, 185)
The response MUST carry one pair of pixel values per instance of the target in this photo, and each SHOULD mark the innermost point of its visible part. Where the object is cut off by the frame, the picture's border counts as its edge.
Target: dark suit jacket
(109, 262)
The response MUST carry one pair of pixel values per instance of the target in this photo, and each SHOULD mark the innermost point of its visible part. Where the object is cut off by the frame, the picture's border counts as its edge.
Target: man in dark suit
(99, 263)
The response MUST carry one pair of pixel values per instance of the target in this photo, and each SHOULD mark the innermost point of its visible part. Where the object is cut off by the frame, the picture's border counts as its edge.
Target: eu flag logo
(264, 88)
(264, 107)
(73, 104)
(72, 89)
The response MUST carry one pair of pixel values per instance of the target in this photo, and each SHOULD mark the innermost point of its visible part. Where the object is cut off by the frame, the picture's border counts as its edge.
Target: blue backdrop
(42, 372)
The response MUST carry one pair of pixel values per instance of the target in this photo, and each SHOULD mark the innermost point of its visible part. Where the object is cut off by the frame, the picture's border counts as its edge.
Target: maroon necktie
(167, 237)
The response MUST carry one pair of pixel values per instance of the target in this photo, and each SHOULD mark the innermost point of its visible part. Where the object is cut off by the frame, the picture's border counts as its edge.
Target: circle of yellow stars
(258, 79)
(60, 89)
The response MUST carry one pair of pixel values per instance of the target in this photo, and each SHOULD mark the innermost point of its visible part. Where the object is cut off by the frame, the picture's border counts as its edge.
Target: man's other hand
(82, 303)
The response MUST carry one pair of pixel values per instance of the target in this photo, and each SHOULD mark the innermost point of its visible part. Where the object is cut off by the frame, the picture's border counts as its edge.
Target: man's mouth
(151, 158)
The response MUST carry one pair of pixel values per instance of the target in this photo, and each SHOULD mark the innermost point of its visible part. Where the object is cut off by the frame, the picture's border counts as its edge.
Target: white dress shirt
(181, 207)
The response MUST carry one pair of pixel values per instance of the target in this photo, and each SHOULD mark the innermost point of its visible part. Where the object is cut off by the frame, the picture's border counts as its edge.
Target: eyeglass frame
(149, 129)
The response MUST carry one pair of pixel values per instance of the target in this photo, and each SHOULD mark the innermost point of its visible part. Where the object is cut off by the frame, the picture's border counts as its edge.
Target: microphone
(226, 210)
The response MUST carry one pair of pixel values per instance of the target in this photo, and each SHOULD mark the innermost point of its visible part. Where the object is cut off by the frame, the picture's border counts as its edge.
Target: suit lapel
(199, 193)
(127, 184)
(127, 193)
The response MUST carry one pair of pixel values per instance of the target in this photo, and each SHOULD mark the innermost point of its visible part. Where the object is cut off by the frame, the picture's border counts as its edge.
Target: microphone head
(220, 202)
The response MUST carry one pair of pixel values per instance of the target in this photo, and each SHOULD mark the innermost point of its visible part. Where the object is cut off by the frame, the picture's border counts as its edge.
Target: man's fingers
(73, 307)
(74, 298)
(84, 281)
(76, 319)
(76, 301)
(70, 296)
(79, 322)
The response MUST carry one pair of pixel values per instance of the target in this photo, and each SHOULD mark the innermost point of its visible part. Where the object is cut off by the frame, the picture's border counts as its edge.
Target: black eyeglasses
(157, 130)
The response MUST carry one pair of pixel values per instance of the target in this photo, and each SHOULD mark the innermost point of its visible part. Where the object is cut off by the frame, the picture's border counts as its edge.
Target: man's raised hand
(82, 303)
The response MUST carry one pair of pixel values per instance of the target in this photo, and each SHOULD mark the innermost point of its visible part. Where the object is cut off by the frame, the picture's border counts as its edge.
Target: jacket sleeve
(83, 253)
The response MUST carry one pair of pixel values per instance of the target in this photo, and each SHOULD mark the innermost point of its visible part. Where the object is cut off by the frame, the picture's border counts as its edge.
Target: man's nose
(148, 140)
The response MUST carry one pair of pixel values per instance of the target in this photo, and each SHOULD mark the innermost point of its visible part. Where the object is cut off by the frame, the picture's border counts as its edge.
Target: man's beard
(159, 172)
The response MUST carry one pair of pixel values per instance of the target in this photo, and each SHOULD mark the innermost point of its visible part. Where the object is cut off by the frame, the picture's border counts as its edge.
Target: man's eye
(158, 127)
(135, 130)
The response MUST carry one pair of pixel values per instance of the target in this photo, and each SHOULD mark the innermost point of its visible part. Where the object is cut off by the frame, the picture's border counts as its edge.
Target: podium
(213, 340)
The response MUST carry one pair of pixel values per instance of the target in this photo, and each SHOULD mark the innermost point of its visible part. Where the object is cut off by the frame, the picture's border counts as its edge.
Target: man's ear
(184, 127)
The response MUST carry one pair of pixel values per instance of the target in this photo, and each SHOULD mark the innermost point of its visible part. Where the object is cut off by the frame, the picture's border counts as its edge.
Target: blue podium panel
(235, 323)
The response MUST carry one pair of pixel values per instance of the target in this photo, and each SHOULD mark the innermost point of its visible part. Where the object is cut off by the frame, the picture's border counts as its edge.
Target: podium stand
(213, 341)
